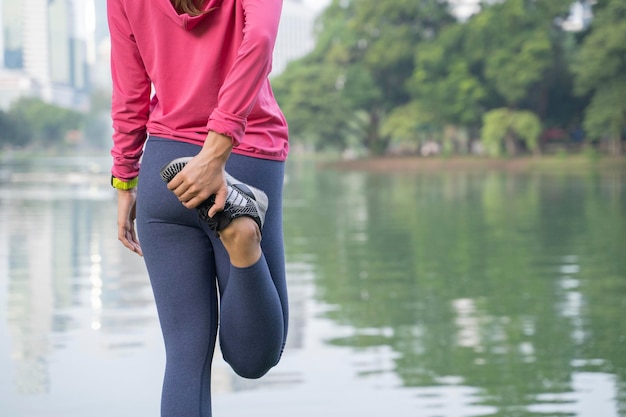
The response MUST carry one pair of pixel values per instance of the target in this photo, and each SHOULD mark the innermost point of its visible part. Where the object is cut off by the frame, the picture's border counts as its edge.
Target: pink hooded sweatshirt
(209, 72)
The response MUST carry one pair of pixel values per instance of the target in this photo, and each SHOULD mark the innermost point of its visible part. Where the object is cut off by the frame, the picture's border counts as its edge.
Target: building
(295, 34)
(101, 69)
(46, 48)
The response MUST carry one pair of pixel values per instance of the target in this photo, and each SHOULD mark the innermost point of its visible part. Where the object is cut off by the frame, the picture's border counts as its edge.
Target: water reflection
(61, 271)
(444, 294)
(509, 285)
(71, 295)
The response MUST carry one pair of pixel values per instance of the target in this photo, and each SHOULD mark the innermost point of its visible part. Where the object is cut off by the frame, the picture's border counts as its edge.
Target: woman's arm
(129, 110)
(131, 94)
(204, 175)
(250, 70)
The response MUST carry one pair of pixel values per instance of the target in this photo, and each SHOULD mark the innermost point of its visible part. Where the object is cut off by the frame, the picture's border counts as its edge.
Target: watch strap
(123, 185)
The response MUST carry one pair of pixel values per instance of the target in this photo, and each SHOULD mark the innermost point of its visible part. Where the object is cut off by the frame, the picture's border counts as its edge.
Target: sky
(317, 4)
(463, 7)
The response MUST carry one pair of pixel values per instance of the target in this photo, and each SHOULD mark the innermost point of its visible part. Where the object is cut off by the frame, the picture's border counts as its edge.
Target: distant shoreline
(573, 163)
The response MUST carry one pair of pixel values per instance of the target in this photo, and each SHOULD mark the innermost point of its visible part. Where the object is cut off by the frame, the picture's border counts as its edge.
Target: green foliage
(502, 125)
(14, 130)
(357, 73)
(388, 33)
(510, 54)
(42, 122)
(409, 123)
(600, 69)
(443, 81)
(465, 271)
(514, 68)
(404, 70)
(100, 101)
(606, 114)
(310, 95)
(513, 41)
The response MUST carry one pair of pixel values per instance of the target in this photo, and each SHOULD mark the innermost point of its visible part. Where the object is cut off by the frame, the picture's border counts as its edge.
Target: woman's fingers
(126, 213)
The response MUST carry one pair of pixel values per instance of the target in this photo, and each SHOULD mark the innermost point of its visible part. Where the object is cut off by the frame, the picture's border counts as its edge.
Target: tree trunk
(538, 151)
(372, 141)
(616, 145)
(509, 142)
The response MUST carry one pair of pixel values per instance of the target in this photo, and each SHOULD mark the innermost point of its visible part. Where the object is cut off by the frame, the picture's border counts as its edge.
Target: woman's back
(209, 72)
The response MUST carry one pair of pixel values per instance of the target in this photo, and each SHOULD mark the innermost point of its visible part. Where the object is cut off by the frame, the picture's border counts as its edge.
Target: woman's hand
(126, 214)
(203, 176)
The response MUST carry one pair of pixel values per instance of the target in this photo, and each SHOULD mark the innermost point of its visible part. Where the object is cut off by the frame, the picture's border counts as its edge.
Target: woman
(191, 77)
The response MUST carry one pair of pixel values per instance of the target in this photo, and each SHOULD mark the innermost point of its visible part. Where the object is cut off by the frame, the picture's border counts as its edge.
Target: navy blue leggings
(188, 266)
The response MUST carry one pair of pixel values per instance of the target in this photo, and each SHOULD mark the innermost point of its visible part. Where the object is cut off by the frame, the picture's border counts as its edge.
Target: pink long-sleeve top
(209, 72)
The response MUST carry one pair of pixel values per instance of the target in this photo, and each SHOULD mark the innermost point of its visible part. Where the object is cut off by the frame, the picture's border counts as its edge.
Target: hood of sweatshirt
(184, 20)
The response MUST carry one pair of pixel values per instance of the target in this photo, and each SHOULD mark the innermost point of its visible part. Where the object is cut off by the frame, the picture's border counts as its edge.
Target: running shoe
(242, 199)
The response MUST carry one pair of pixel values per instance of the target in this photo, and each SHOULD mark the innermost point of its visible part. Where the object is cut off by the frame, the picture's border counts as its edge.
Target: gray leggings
(188, 266)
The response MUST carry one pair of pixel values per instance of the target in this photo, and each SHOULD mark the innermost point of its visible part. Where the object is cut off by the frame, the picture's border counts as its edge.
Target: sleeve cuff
(227, 124)
(125, 171)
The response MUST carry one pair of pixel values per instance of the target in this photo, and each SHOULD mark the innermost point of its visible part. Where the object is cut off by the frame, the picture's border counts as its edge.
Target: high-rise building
(100, 72)
(11, 36)
(36, 45)
(44, 50)
(13, 80)
(295, 34)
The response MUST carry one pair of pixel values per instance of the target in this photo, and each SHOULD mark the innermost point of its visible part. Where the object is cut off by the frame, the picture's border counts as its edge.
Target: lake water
(444, 294)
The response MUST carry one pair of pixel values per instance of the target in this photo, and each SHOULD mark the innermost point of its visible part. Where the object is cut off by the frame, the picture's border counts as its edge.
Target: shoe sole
(169, 170)
(260, 199)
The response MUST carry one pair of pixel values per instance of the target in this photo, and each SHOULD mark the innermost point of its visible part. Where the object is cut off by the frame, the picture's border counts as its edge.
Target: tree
(48, 124)
(600, 70)
(507, 126)
(14, 131)
(388, 34)
(443, 83)
(411, 123)
(443, 78)
(513, 44)
(368, 47)
(511, 54)
(310, 95)
(405, 70)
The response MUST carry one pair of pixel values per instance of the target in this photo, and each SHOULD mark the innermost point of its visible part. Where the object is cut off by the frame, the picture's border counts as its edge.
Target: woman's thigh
(268, 176)
(178, 253)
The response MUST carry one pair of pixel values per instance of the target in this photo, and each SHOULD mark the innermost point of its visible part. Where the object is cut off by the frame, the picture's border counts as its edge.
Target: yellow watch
(123, 185)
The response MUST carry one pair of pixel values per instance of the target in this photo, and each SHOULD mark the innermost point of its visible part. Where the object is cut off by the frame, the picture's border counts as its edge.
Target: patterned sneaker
(242, 199)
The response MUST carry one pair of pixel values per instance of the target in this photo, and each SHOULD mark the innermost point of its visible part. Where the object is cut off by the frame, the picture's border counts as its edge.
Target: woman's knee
(253, 366)
(251, 370)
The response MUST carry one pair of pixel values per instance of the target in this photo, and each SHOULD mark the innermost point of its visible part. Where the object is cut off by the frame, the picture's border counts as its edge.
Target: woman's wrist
(123, 185)
(218, 146)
